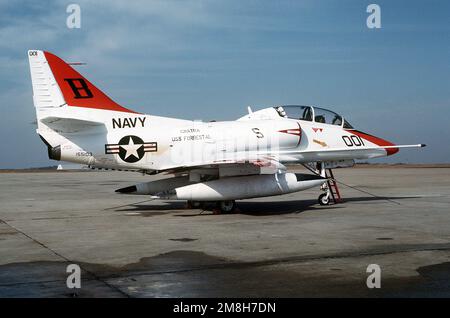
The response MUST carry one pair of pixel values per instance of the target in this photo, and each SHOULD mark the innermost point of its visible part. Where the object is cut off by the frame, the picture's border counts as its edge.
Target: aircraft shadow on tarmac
(261, 208)
(299, 206)
(248, 208)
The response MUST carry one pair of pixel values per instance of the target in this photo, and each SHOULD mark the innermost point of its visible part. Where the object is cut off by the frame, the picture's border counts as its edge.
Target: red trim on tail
(375, 140)
(77, 90)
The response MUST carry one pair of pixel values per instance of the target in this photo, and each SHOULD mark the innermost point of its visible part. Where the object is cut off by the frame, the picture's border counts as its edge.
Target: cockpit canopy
(309, 113)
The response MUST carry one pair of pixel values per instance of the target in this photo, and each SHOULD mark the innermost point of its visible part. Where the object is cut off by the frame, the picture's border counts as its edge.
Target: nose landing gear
(332, 194)
(324, 199)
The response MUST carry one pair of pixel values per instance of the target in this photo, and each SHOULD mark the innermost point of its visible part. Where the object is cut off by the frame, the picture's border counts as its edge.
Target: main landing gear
(227, 206)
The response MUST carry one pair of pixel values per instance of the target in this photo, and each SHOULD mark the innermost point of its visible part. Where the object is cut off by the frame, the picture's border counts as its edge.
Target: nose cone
(391, 151)
(376, 140)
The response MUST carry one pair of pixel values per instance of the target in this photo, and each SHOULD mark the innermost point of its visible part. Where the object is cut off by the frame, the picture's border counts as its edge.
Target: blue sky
(210, 59)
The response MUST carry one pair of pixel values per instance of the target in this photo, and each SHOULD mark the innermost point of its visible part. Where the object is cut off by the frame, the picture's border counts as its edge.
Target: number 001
(353, 141)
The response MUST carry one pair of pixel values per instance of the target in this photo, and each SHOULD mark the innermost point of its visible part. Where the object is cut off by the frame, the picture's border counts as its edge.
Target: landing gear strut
(324, 198)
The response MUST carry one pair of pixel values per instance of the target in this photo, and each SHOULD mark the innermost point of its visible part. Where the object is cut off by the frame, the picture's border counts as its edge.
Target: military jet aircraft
(218, 162)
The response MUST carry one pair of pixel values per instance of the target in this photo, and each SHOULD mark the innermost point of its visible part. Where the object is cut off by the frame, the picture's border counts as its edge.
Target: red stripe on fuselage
(376, 140)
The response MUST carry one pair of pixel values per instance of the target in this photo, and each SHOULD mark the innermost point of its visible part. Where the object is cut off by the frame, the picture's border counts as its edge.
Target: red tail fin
(77, 90)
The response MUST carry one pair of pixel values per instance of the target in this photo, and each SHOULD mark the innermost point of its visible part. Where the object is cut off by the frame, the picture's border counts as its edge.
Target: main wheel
(324, 199)
(226, 206)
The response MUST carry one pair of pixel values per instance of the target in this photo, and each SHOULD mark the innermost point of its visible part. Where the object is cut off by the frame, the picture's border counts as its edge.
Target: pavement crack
(96, 277)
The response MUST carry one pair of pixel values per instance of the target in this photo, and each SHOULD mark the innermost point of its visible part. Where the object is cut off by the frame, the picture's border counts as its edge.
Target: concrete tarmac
(284, 246)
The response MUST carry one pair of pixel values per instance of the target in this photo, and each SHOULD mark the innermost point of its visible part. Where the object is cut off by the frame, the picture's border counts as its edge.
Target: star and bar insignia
(131, 148)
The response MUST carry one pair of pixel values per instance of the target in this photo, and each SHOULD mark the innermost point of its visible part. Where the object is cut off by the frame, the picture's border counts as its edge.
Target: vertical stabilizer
(46, 92)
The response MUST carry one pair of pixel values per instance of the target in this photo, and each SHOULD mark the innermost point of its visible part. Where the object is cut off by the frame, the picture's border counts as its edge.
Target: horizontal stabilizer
(71, 125)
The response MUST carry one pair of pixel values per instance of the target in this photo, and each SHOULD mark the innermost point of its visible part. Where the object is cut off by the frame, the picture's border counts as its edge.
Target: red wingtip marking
(376, 140)
(89, 95)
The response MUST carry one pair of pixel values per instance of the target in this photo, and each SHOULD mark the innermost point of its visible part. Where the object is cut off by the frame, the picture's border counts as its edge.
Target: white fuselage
(176, 143)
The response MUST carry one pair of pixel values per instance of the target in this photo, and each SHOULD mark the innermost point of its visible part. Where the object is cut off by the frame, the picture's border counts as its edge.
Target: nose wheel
(324, 199)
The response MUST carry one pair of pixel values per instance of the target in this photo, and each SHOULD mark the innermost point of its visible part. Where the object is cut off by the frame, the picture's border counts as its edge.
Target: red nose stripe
(77, 90)
(375, 140)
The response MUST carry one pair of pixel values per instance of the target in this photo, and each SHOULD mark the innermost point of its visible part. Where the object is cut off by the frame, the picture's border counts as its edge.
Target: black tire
(324, 199)
(226, 206)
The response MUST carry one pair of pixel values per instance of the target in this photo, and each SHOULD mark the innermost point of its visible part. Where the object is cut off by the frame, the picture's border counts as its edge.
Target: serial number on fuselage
(83, 154)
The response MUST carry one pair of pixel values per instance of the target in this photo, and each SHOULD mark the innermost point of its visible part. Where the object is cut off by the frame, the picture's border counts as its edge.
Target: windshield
(295, 112)
(326, 116)
(320, 115)
(347, 125)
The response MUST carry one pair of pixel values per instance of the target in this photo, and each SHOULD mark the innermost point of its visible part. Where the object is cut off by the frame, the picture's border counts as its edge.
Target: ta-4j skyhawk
(218, 162)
